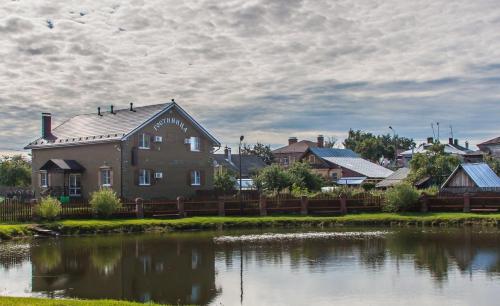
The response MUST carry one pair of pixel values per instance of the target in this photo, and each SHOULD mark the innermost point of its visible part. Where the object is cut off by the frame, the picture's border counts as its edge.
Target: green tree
(301, 176)
(493, 162)
(224, 182)
(373, 147)
(261, 150)
(434, 163)
(272, 178)
(15, 171)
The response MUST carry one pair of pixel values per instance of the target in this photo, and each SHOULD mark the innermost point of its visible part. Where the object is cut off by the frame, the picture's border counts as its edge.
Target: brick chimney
(467, 145)
(430, 140)
(227, 153)
(455, 142)
(450, 140)
(321, 141)
(292, 140)
(46, 125)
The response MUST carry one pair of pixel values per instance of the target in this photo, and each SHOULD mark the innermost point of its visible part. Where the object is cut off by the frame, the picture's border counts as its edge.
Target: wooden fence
(12, 210)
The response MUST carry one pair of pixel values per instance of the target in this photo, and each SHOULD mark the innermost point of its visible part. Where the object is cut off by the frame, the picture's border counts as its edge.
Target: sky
(264, 69)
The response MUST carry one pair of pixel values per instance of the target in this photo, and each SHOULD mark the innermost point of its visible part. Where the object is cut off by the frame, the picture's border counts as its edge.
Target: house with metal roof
(395, 178)
(451, 147)
(338, 164)
(472, 177)
(250, 164)
(491, 147)
(154, 151)
(287, 155)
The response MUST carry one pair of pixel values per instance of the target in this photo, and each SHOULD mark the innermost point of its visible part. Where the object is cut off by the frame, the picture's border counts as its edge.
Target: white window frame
(44, 174)
(195, 178)
(74, 191)
(105, 177)
(144, 142)
(195, 144)
(144, 177)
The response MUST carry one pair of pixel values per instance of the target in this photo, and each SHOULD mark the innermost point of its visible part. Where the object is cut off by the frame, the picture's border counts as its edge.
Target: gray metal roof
(348, 159)
(92, 128)
(249, 163)
(396, 177)
(480, 173)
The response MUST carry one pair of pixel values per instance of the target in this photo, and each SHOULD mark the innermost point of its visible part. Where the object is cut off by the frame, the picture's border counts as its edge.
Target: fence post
(180, 206)
(343, 205)
(222, 211)
(139, 208)
(466, 202)
(304, 205)
(33, 203)
(263, 205)
(424, 207)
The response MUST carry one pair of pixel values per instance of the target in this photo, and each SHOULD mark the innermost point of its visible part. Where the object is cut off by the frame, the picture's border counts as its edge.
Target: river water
(262, 267)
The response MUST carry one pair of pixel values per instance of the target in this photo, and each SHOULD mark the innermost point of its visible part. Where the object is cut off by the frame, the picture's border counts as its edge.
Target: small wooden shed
(477, 176)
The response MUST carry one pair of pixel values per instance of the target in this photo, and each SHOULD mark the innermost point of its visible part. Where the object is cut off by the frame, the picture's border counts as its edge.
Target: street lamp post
(239, 155)
(395, 145)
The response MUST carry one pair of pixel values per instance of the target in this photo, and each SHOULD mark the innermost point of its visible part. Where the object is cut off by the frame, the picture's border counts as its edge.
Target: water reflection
(191, 268)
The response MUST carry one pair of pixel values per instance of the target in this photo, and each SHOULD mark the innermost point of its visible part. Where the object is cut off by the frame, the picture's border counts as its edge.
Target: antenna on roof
(132, 107)
(433, 133)
(451, 130)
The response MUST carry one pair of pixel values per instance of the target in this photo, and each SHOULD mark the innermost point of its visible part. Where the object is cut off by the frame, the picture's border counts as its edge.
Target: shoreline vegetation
(15, 301)
(89, 227)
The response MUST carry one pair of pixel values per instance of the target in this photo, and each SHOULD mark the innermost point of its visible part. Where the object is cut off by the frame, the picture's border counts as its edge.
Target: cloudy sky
(265, 69)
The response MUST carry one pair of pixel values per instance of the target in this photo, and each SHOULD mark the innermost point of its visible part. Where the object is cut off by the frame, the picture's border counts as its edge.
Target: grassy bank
(76, 227)
(13, 301)
(8, 231)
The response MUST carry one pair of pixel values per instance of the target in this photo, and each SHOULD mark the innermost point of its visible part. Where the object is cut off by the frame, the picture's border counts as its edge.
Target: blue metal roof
(482, 175)
(333, 152)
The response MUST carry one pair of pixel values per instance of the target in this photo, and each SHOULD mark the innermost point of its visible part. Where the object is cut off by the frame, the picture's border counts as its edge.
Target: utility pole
(395, 146)
(239, 154)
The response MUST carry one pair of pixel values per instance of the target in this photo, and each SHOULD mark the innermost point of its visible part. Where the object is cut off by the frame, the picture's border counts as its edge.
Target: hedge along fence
(15, 210)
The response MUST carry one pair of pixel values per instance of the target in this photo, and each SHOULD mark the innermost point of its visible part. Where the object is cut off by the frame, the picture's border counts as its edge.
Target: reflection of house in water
(160, 269)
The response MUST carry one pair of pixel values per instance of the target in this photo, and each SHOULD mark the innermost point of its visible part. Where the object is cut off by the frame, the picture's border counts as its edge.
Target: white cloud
(266, 69)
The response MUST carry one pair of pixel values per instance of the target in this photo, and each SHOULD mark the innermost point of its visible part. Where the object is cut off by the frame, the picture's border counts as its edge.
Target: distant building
(250, 164)
(472, 177)
(287, 155)
(395, 178)
(155, 151)
(343, 166)
(452, 147)
(491, 147)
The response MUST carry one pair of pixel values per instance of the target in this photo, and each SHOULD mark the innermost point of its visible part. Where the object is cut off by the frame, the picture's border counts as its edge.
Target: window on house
(75, 188)
(44, 179)
(285, 160)
(195, 144)
(144, 177)
(335, 176)
(105, 177)
(311, 159)
(195, 178)
(144, 141)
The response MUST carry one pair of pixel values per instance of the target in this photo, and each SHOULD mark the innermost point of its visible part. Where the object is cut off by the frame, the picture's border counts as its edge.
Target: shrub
(368, 186)
(105, 202)
(400, 198)
(301, 175)
(48, 209)
(431, 191)
(224, 182)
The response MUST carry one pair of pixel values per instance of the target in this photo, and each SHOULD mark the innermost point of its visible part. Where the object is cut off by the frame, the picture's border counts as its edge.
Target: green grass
(8, 231)
(95, 226)
(13, 301)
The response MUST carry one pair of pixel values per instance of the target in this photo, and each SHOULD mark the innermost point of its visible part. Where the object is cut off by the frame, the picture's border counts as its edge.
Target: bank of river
(85, 227)
(13, 301)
